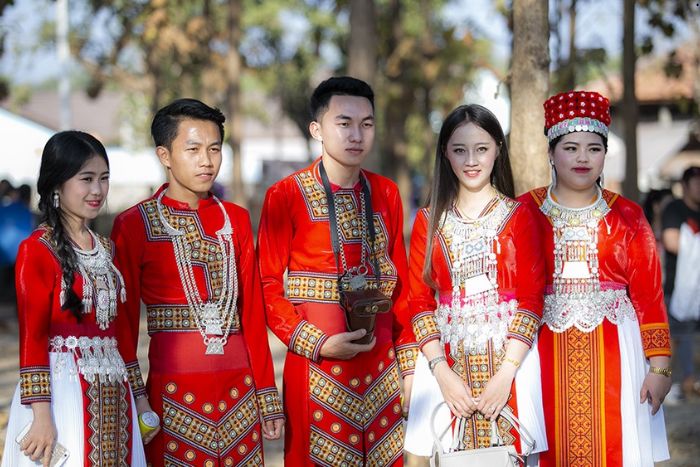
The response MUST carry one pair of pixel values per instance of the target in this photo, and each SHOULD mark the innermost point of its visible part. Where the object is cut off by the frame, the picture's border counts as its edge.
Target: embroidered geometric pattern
(135, 379)
(656, 339)
(207, 435)
(540, 194)
(328, 451)
(204, 250)
(389, 448)
(307, 340)
(269, 403)
(382, 392)
(34, 384)
(406, 356)
(524, 326)
(108, 410)
(312, 287)
(335, 397)
(177, 318)
(425, 328)
(476, 369)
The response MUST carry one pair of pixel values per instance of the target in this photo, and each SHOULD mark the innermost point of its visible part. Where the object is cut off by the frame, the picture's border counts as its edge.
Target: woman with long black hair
(80, 382)
(477, 248)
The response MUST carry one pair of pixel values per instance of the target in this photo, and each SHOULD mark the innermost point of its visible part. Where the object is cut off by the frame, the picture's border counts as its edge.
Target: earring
(56, 200)
(554, 173)
(601, 180)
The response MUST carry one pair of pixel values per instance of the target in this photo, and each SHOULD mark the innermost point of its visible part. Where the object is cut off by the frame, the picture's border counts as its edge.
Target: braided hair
(64, 155)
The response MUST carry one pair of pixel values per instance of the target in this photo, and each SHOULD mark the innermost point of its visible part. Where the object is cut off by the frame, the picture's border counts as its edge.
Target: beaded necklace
(213, 318)
(101, 279)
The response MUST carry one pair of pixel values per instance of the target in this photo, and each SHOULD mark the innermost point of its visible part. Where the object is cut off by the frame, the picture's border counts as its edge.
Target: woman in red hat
(604, 345)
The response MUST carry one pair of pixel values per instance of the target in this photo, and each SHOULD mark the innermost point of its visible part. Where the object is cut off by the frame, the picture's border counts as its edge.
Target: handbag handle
(527, 440)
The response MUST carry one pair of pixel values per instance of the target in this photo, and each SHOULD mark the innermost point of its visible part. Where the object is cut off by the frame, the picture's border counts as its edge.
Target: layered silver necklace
(475, 316)
(212, 317)
(101, 279)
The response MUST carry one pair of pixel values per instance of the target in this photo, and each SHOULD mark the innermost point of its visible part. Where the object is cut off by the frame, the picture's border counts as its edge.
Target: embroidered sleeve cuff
(133, 371)
(307, 341)
(656, 339)
(35, 384)
(425, 328)
(524, 326)
(269, 403)
(406, 355)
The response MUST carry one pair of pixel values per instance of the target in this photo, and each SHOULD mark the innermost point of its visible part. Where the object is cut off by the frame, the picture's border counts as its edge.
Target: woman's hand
(455, 391)
(655, 387)
(272, 429)
(38, 443)
(495, 396)
(143, 406)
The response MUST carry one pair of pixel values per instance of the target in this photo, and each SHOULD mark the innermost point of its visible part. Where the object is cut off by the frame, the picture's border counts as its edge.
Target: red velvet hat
(576, 111)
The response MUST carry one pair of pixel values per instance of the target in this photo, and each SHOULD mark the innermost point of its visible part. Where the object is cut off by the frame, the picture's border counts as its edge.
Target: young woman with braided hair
(80, 384)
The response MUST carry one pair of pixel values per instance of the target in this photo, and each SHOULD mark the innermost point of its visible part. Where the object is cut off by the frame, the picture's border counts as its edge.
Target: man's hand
(341, 347)
(272, 429)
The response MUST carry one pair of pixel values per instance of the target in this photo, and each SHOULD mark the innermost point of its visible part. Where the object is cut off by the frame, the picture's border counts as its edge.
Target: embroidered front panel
(406, 356)
(350, 225)
(204, 250)
(343, 402)
(109, 423)
(425, 328)
(328, 451)
(656, 339)
(177, 318)
(135, 379)
(389, 448)
(35, 384)
(579, 426)
(307, 340)
(524, 326)
(270, 404)
(477, 368)
(356, 408)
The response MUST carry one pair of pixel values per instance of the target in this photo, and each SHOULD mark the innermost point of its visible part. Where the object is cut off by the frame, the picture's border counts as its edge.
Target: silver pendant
(215, 347)
(211, 319)
(358, 282)
(213, 326)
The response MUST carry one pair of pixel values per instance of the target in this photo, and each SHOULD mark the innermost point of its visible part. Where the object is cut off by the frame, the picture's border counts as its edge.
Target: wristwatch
(660, 371)
(434, 362)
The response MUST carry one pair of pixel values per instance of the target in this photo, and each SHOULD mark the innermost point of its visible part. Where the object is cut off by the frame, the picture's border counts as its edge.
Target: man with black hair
(190, 258)
(682, 213)
(336, 231)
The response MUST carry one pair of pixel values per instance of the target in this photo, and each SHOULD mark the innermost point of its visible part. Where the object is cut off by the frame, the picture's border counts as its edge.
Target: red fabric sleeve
(128, 235)
(37, 281)
(421, 297)
(404, 340)
(275, 235)
(645, 289)
(530, 279)
(251, 309)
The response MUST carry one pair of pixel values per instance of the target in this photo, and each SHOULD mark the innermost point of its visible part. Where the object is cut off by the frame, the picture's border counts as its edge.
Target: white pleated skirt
(643, 434)
(426, 396)
(68, 413)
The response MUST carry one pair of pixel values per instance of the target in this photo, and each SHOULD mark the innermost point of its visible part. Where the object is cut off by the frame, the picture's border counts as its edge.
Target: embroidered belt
(586, 311)
(96, 357)
(177, 318)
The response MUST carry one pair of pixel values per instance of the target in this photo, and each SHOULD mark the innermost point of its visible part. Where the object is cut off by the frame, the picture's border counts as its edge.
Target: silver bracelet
(434, 362)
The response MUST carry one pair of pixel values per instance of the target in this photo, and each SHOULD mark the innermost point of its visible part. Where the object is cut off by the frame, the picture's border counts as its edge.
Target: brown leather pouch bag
(361, 309)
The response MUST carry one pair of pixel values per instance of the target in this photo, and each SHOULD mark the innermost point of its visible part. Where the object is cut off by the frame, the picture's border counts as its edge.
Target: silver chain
(363, 234)
(224, 308)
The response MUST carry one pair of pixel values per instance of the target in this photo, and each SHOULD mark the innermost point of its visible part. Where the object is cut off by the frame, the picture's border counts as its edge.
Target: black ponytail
(64, 155)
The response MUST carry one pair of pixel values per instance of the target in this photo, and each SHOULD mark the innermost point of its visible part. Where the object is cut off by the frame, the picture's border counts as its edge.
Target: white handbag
(498, 455)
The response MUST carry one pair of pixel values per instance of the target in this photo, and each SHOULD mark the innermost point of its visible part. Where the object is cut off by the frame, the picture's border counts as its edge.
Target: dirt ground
(682, 420)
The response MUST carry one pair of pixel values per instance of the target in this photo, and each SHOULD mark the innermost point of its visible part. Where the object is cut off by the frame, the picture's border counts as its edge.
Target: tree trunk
(234, 109)
(362, 46)
(630, 187)
(529, 87)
